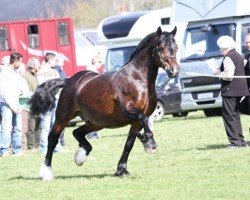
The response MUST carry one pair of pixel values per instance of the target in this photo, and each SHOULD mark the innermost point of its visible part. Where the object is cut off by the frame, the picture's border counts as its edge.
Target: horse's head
(164, 52)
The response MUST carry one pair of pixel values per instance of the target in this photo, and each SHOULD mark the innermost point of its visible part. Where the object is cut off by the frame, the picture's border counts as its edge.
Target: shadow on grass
(100, 176)
(218, 146)
(115, 135)
(213, 147)
(191, 118)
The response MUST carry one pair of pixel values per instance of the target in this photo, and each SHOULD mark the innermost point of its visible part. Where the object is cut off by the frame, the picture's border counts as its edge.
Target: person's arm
(9, 93)
(229, 69)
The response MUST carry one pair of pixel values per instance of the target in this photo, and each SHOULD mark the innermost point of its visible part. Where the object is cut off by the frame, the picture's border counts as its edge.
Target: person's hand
(216, 71)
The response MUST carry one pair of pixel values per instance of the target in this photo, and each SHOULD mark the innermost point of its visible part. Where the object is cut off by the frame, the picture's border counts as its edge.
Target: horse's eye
(161, 49)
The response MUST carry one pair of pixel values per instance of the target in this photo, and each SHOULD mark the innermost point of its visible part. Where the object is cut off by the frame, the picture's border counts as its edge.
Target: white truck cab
(207, 21)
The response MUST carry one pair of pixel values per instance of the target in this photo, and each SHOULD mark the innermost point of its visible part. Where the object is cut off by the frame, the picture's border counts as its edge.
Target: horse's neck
(147, 69)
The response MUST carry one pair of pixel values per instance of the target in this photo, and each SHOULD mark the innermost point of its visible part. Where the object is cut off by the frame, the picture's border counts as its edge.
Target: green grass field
(191, 163)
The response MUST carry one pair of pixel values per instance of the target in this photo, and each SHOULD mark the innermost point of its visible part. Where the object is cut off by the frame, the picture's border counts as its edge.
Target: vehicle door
(172, 96)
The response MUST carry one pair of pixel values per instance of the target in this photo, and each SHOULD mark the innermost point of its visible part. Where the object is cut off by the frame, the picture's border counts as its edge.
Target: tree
(89, 13)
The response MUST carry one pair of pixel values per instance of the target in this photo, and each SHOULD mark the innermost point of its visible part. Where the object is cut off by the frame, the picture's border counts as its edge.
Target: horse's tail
(44, 97)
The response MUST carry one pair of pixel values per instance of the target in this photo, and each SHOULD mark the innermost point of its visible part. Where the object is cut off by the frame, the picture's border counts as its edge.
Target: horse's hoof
(150, 146)
(122, 174)
(80, 156)
(151, 150)
(46, 173)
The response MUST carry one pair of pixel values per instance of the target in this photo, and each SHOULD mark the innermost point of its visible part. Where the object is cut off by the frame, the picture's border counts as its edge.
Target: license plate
(205, 95)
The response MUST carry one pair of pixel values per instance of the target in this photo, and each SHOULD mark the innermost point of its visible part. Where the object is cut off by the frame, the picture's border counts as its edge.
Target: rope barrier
(218, 76)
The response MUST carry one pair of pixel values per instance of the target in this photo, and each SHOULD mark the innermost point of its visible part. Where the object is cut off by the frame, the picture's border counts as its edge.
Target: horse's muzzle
(173, 72)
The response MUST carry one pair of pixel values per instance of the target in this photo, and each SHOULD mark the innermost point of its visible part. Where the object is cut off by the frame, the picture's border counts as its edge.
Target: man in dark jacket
(232, 90)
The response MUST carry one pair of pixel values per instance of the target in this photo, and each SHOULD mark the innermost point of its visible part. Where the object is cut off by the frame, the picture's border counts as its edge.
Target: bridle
(164, 65)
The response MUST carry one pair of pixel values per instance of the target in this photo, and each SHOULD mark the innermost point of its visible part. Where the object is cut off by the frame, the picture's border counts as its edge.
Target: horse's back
(70, 90)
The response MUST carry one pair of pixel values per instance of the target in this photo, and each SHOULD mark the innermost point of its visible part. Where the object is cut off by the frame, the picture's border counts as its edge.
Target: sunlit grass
(191, 163)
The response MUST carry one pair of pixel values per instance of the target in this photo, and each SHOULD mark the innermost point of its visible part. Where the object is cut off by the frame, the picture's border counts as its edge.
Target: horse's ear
(173, 32)
(159, 31)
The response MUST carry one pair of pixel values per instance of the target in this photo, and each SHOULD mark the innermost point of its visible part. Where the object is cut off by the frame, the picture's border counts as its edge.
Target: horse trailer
(35, 37)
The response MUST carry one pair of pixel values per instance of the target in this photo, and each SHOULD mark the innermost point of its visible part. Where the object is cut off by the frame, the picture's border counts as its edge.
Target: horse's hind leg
(46, 171)
(85, 147)
(122, 164)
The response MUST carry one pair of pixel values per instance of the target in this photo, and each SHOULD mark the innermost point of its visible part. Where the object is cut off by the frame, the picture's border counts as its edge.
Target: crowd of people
(21, 131)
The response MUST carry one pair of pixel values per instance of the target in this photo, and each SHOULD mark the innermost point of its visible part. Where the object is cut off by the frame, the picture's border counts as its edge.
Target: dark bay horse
(110, 100)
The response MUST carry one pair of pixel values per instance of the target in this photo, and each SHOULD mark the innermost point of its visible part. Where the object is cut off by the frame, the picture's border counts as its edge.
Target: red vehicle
(37, 37)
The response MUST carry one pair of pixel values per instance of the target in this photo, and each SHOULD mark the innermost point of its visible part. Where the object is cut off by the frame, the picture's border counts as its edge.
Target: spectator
(11, 112)
(97, 64)
(22, 69)
(32, 126)
(46, 72)
(246, 49)
(24, 107)
(4, 62)
(232, 90)
(96, 67)
(59, 68)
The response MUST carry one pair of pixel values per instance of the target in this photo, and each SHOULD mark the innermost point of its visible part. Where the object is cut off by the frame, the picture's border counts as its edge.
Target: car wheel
(159, 112)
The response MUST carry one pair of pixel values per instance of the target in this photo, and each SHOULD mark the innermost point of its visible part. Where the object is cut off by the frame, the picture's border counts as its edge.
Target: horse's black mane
(144, 43)
(141, 45)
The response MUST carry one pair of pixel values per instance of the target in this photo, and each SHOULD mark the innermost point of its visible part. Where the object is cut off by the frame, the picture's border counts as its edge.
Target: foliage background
(90, 13)
(86, 13)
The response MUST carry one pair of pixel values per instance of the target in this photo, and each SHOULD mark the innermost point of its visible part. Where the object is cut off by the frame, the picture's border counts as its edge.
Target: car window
(161, 79)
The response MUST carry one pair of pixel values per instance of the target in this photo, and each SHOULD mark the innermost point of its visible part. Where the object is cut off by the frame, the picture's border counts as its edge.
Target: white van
(207, 21)
(122, 33)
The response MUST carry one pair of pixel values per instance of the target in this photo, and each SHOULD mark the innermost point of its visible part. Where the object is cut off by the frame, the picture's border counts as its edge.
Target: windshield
(84, 39)
(117, 58)
(201, 42)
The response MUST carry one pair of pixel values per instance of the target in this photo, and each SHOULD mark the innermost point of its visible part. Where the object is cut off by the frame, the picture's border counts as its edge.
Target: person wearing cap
(232, 90)
(31, 122)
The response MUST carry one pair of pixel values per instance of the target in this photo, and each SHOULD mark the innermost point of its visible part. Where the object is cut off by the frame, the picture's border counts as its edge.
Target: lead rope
(207, 75)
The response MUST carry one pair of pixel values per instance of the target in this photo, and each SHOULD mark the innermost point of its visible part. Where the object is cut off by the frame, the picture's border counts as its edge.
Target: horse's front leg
(122, 165)
(147, 138)
(85, 147)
